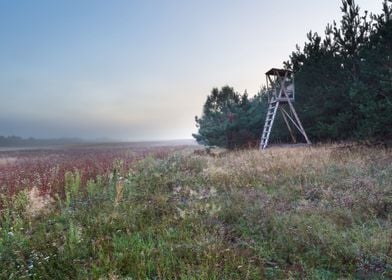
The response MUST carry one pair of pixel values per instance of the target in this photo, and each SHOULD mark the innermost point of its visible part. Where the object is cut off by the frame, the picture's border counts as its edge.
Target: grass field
(44, 167)
(305, 213)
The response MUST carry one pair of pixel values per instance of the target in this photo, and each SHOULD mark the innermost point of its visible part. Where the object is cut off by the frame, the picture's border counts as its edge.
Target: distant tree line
(16, 141)
(343, 87)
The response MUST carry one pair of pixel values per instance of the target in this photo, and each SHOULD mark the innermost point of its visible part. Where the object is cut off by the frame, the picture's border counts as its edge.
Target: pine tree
(231, 120)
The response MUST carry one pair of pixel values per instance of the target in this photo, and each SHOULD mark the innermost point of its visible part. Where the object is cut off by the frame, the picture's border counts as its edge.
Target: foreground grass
(315, 213)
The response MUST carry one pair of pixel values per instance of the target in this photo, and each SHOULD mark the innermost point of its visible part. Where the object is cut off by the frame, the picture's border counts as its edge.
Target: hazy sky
(139, 70)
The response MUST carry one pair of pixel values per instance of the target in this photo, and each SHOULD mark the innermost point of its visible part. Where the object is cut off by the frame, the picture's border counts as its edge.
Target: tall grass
(310, 213)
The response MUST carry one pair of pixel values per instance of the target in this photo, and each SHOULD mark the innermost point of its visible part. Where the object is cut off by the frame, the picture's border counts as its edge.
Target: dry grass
(7, 160)
(330, 197)
(38, 203)
(305, 213)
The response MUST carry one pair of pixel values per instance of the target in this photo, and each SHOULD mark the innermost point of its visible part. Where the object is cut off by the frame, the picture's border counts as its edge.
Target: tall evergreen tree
(343, 87)
(338, 77)
(230, 120)
(373, 91)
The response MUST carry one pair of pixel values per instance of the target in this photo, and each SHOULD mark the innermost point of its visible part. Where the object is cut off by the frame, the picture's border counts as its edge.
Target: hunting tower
(281, 94)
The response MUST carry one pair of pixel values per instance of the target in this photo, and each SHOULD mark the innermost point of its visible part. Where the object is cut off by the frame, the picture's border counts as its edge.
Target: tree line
(343, 83)
(16, 141)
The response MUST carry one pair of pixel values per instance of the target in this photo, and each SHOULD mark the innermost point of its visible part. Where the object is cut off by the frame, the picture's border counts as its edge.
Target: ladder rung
(271, 112)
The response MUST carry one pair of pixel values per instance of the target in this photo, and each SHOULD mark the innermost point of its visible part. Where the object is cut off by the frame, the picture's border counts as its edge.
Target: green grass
(318, 213)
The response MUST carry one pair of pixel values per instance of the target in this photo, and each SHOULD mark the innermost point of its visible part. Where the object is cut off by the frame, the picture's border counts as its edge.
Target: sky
(142, 69)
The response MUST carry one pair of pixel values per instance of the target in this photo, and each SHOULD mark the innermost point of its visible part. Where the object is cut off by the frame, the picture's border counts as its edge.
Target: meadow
(322, 212)
(45, 168)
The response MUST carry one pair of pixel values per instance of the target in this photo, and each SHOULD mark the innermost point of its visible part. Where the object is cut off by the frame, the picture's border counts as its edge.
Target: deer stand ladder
(281, 93)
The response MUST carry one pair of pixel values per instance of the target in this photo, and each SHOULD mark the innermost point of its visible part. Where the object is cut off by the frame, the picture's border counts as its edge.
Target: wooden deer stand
(281, 93)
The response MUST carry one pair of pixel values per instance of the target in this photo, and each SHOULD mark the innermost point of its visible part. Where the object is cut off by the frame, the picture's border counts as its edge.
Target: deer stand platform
(281, 95)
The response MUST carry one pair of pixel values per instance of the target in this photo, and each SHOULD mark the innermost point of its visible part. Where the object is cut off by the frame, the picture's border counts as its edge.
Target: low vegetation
(314, 213)
(45, 169)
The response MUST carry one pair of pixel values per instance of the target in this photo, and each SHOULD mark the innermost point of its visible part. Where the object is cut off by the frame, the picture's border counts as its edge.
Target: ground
(321, 212)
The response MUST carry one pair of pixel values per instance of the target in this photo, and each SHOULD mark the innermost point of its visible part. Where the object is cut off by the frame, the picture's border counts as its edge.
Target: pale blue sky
(139, 70)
